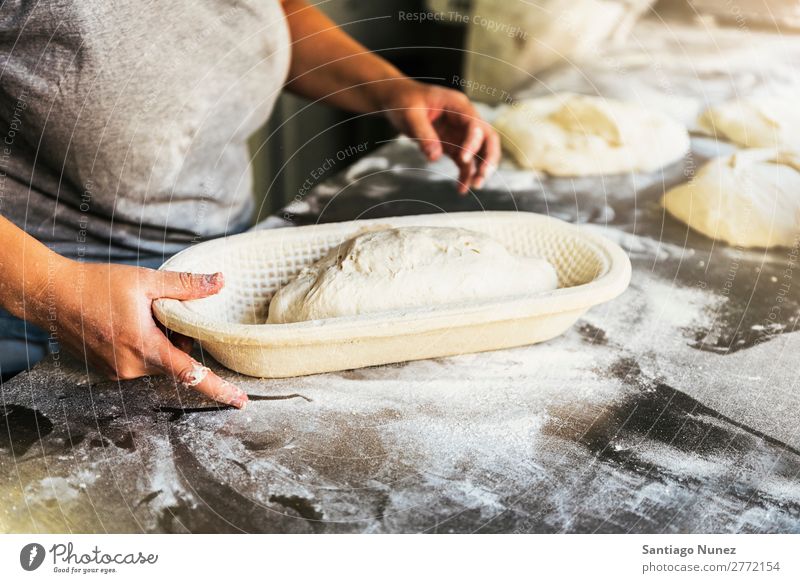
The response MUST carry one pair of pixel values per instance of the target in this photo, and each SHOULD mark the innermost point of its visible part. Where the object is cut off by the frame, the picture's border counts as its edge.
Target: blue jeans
(22, 344)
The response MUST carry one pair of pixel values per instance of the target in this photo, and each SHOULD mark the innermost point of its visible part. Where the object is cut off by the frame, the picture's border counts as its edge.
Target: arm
(329, 65)
(103, 311)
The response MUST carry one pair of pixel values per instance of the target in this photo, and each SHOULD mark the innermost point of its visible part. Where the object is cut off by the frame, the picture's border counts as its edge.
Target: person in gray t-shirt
(123, 129)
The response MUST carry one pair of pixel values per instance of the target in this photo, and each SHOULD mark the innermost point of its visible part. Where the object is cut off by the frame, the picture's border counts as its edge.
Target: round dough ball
(766, 122)
(579, 135)
(405, 268)
(748, 199)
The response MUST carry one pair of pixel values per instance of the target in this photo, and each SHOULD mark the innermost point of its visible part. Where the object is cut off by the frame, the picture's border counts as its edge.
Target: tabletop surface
(669, 409)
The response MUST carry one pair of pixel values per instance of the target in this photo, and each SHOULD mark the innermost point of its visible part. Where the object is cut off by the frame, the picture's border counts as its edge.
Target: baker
(124, 134)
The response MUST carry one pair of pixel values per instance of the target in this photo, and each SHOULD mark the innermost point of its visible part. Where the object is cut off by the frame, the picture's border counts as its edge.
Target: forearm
(27, 270)
(328, 64)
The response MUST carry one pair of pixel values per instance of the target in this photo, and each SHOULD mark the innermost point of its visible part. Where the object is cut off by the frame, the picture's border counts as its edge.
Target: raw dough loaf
(766, 122)
(578, 135)
(405, 268)
(749, 199)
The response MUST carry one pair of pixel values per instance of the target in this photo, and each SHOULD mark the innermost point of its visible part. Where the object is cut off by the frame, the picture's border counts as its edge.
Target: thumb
(420, 128)
(180, 285)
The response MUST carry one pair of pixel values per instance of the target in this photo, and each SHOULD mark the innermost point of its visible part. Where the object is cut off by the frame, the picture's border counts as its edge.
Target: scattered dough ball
(578, 135)
(766, 122)
(405, 268)
(748, 199)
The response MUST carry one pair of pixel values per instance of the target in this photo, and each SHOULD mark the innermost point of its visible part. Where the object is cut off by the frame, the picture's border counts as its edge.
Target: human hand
(103, 312)
(444, 120)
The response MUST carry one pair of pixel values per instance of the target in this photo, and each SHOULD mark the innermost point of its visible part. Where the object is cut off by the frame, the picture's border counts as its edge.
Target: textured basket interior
(254, 271)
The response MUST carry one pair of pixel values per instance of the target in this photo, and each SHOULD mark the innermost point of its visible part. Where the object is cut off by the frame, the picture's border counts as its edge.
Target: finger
(489, 157)
(465, 173)
(465, 169)
(180, 285)
(421, 129)
(191, 374)
(473, 140)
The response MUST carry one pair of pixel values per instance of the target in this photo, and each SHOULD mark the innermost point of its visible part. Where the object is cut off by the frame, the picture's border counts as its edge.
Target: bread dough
(766, 122)
(748, 199)
(408, 267)
(578, 135)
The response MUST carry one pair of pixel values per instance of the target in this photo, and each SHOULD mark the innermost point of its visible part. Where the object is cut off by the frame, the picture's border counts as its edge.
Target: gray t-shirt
(123, 125)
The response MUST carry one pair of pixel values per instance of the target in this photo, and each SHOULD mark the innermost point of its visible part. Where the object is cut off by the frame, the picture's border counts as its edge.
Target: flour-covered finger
(191, 374)
(185, 286)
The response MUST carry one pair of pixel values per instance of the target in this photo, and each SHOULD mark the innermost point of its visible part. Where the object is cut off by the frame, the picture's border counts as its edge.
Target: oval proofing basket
(230, 325)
